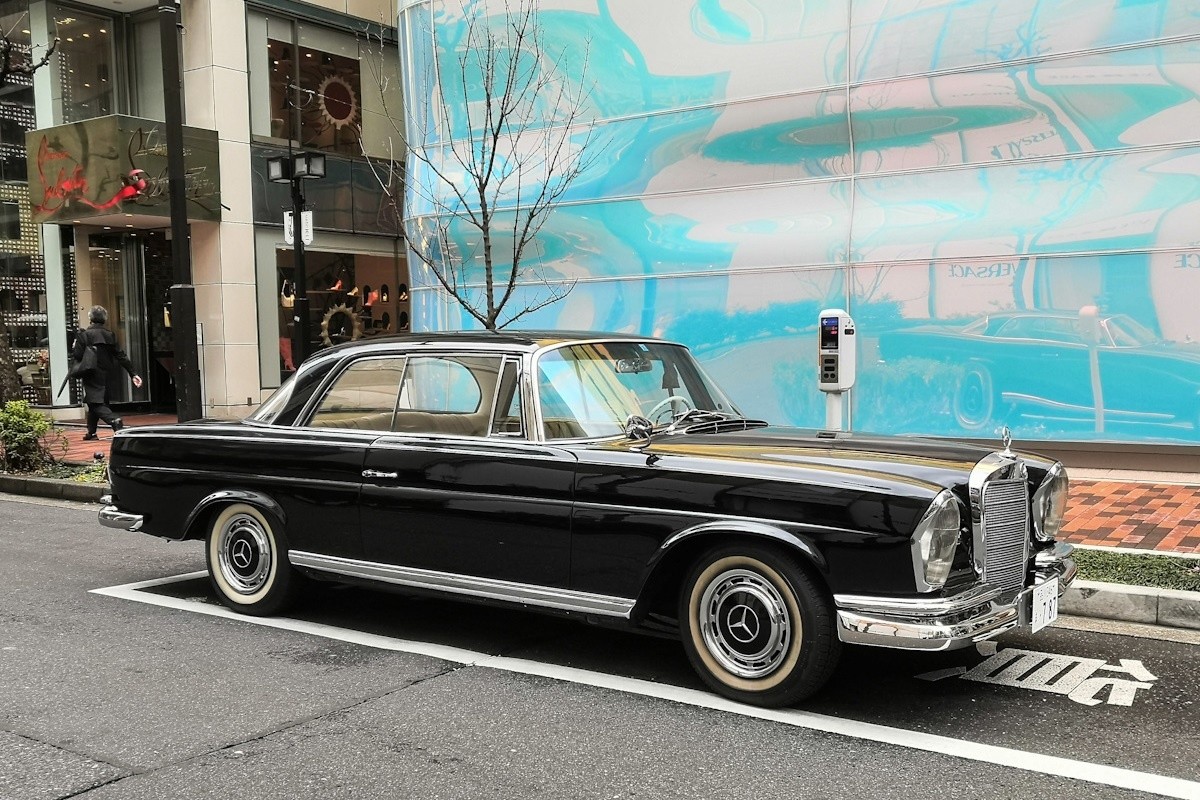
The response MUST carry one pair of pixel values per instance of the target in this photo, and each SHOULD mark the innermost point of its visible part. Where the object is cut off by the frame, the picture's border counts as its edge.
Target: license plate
(1045, 604)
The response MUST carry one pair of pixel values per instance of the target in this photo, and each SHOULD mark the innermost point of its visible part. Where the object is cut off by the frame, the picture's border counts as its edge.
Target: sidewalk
(80, 452)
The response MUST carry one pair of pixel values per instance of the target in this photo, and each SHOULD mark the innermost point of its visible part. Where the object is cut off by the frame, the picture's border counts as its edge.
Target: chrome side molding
(489, 588)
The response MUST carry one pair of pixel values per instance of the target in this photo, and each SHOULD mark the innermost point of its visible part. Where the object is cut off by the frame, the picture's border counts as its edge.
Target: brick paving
(80, 452)
(1109, 513)
(1144, 516)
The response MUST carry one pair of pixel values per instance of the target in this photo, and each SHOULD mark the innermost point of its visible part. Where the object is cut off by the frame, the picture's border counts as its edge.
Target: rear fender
(194, 528)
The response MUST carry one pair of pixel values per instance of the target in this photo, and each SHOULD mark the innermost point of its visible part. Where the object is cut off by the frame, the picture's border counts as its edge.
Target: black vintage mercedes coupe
(605, 477)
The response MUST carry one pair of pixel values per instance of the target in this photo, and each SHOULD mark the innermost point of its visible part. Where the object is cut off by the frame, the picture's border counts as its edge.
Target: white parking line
(1002, 756)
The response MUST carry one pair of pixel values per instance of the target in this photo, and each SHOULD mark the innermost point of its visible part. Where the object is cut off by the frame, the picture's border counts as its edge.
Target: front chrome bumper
(951, 622)
(112, 517)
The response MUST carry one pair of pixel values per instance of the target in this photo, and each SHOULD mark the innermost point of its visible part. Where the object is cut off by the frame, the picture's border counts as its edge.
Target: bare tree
(523, 140)
(16, 59)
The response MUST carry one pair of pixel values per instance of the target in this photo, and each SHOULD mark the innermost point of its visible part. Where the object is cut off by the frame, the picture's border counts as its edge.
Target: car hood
(851, 459)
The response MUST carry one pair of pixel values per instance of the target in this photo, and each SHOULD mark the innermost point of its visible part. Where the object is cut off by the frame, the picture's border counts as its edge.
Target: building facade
(1005, 197)
(84, 216)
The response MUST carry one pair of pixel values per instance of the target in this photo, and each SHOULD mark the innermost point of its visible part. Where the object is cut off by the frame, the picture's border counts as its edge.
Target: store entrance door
(130, 276)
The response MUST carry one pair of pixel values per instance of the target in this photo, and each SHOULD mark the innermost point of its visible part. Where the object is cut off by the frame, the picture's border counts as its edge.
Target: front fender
(263, 502)
(667, 568)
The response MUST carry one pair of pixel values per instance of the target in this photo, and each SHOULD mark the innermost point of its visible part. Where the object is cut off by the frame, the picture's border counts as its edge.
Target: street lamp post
(294, 169)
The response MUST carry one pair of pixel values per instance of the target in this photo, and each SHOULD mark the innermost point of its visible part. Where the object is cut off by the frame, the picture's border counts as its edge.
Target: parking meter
(836, 362)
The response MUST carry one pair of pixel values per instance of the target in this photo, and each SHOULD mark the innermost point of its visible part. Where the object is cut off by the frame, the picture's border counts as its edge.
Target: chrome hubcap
(745, 624)
(244, 551)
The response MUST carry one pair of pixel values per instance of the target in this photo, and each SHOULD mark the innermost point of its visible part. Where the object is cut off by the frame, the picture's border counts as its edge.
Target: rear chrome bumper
(951, 622)
(112, 517)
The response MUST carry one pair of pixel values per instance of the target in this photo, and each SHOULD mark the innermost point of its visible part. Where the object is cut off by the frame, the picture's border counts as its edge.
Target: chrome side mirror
(637, 429)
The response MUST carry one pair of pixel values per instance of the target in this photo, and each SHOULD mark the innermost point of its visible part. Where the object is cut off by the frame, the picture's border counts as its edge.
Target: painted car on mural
(607, 478)
(1040, 364)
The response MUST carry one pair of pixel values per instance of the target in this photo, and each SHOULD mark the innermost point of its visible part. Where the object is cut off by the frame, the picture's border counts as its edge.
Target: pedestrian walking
(96, 381)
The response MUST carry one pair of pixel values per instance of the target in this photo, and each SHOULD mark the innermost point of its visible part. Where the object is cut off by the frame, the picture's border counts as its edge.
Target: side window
(363, 396)
(440, 385)
(507, 420)
(451, 394)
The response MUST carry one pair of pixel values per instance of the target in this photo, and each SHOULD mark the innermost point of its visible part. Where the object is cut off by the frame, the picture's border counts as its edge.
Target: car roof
(501, 340)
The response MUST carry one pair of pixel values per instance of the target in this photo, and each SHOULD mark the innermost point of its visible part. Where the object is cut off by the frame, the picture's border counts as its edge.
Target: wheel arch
(669, 566)
(194, 528)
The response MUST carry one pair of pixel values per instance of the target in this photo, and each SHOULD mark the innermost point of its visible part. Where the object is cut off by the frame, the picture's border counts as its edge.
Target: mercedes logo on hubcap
(242, 554)
(742, 623)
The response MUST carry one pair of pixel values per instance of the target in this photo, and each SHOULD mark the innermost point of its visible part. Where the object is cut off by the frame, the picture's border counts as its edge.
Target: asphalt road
(154, 691)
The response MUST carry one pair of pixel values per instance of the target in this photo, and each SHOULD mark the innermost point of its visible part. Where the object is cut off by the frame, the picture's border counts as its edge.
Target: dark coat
(109, 356)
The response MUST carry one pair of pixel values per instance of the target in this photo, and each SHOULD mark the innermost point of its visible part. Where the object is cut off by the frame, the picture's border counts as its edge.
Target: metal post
(833, 411)
(188, 402)
(300, 318)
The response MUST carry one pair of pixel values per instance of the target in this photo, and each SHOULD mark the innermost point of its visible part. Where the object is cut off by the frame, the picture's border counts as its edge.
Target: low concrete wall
(53, 487)
(1150, 606)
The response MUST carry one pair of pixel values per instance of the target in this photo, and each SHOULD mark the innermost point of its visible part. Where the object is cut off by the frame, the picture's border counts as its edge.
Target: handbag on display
(287, 295)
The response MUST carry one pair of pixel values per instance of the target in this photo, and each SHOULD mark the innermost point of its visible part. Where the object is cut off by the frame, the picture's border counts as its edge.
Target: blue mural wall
(1006, 197)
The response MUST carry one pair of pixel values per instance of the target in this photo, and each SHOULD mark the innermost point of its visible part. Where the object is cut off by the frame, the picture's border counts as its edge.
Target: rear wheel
(247, 561)
(757, 627)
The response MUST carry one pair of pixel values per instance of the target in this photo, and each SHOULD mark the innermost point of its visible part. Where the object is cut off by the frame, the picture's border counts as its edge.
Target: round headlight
(935, 540)
(1050, 503)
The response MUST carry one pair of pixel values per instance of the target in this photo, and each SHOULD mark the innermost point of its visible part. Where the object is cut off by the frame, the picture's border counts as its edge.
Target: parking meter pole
(833, 411)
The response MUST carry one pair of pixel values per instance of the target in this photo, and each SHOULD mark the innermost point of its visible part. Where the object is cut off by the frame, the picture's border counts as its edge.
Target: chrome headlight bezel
(1048, 507)
(935, 541)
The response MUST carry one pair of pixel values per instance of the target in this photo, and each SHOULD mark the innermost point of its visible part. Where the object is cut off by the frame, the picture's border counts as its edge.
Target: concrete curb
(1167, 607)
(52, 487)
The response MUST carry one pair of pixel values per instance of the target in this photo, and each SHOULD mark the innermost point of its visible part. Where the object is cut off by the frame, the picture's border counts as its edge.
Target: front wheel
(757, 627)
(247, 561)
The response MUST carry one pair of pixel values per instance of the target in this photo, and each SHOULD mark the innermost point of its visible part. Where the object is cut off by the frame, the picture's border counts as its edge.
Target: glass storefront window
(84, 75)
(349, 294)
(324, 88)
(314, 97)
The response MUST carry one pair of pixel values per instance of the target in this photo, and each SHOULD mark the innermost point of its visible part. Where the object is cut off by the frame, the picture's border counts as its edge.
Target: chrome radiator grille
(1005, 533)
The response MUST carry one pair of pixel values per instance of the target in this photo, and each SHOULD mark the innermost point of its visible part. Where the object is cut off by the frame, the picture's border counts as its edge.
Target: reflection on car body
(1046, 364)
(607, 478)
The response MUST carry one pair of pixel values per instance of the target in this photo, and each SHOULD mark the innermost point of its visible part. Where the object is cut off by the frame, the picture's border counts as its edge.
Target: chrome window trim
(406, 442)
(488, 588)
(521, 435)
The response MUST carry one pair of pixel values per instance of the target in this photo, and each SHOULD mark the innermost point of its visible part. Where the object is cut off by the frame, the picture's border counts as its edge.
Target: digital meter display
(829, 333)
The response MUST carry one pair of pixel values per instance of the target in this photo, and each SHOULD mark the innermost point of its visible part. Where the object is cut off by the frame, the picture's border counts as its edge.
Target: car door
(317, 465)
(457, 489)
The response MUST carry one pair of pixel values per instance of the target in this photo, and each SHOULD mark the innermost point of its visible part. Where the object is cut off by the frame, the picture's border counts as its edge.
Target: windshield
(1126, 332)
(590, 390)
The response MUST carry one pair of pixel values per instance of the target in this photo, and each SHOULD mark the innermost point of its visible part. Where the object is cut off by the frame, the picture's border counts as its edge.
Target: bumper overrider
(112, 517)
(948, 623)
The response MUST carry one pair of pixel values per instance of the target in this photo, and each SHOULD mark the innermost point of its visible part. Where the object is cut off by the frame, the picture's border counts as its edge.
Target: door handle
(371, 473)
